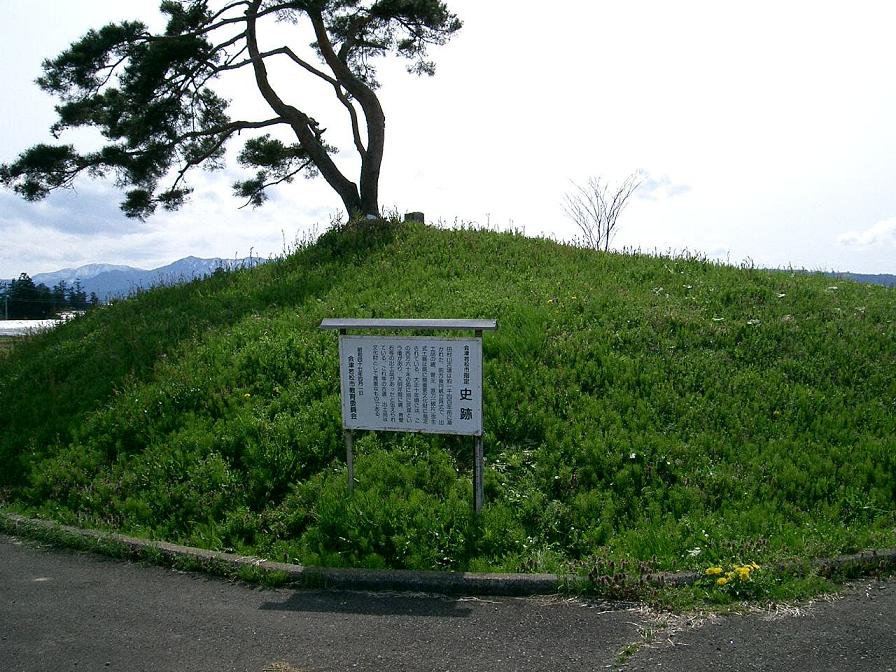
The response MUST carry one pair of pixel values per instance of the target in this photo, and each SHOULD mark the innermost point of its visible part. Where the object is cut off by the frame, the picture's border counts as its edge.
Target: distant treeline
(23, 300)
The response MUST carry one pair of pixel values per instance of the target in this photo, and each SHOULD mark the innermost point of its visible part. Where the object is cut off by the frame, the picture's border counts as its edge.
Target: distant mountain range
(882, 279)
(109, 281)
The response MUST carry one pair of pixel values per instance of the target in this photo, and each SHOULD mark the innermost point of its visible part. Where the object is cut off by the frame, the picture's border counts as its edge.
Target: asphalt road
(61, 610)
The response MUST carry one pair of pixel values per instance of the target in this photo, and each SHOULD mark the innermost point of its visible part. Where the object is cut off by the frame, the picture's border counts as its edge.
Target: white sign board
(411, 384)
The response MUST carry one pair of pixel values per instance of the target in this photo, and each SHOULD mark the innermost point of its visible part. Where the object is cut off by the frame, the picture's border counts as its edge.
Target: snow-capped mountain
(69, 275)
(111, 281)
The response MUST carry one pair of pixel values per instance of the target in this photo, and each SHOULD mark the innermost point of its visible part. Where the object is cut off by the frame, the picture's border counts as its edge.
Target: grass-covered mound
(635, 407)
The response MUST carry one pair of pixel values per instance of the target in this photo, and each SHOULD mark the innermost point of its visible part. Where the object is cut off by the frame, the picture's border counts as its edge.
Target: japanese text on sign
(412, 384)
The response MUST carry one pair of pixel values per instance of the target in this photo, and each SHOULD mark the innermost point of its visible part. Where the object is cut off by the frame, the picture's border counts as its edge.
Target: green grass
(660, 411)
(6, 344)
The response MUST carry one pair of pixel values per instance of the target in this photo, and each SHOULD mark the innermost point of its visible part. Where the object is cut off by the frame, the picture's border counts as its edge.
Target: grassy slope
(635, 407)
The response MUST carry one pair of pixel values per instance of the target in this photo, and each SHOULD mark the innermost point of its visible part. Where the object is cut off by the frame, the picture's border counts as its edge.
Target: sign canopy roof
(435, 324)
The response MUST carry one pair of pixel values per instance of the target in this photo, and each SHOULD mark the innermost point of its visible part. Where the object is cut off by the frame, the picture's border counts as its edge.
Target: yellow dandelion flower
(713, 571)
(721, 581)
(743, 573)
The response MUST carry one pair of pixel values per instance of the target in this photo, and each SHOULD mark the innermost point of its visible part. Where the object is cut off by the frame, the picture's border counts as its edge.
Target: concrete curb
(449, 583)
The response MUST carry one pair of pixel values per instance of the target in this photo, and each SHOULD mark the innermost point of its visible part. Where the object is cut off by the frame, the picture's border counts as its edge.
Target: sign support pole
(478, 489)
(478, 459)
(349, 459)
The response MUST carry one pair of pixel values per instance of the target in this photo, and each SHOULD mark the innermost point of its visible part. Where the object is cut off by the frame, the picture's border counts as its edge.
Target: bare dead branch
(285, 51)
(595, 209)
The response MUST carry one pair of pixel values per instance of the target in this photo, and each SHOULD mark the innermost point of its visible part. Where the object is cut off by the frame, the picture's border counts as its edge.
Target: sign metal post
(412, 383)
(478, 459)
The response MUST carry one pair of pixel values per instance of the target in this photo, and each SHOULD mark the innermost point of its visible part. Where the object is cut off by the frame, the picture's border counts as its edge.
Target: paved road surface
(61, 610)
(854, 632)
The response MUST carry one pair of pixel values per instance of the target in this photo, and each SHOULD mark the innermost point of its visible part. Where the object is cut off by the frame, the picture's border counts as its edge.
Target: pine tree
(150, 95)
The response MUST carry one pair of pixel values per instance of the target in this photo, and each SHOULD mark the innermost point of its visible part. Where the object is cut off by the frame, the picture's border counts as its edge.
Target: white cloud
(89, 209)
(882, 233)
(654, 189)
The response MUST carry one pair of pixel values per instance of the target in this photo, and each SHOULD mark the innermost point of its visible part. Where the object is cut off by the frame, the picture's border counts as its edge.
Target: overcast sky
(766, 131)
